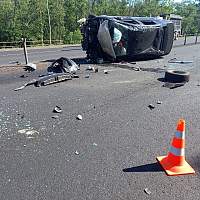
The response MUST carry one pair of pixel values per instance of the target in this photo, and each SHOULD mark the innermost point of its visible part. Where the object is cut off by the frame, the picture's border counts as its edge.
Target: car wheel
(176, 76)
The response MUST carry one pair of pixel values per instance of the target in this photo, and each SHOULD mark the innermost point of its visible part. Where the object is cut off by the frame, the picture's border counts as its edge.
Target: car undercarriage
(112, 38)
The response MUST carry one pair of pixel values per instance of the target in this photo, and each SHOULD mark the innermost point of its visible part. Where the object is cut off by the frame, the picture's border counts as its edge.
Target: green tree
(198, 16)
(22, 20)
(57, 19)
(188, 11)
(6, 20)
(30, 19)
(36, 19)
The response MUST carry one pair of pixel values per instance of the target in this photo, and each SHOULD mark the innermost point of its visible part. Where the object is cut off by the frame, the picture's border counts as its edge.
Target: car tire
(175, 76)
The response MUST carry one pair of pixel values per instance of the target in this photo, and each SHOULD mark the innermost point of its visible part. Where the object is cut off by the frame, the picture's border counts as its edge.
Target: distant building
(176, 19)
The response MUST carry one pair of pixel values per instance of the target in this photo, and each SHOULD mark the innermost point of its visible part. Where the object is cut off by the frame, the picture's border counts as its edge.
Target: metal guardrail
(188, 39)
(196, 39)
(18, 44)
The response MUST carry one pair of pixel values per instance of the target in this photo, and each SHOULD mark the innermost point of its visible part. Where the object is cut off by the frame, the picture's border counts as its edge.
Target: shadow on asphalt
(80, 61)
(161, 80)
(154, 70)
(195, 163)
(130, 67)
(153, 167)
(72, 49)
(84, 60)
(49, 60)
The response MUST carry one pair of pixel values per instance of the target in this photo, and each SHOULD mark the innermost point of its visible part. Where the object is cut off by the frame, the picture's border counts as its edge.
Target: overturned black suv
(115, 38)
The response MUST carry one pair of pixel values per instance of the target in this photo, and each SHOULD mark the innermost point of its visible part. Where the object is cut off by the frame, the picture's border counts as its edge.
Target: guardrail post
(196, 38)
(25, 50)
(185, 39)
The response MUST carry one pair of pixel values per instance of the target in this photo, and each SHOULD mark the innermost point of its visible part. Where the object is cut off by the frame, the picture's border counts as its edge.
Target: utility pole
(49, 22)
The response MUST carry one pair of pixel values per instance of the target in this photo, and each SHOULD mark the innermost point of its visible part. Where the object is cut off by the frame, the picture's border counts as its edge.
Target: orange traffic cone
(174, 163)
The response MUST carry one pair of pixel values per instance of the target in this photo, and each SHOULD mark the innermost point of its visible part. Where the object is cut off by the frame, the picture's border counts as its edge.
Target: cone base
(172, 170)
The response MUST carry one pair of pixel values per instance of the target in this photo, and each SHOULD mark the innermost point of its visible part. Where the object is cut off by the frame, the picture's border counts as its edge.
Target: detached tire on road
(175, 76)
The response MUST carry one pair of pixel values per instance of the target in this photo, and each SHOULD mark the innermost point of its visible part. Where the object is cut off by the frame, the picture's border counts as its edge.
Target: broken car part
(96, 70)
(105, 71)
(47, 80)
(147, 191)
(75, 76)
(53, 78)
(26, 84)
(63, 65)
(77, 153)
(79, 117)
(174, 60)
(20, 88)
(151, 106)
(60, 70)
(30, 67)
(110, 38)
(159, 102)
(89, 68)
(57, 109)
(55, 116)
(23, 76)
(175, 76)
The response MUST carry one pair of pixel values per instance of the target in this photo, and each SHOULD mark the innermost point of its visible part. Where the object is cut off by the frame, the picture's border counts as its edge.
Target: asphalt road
(190, 40)
(35, 55)
(111, 153)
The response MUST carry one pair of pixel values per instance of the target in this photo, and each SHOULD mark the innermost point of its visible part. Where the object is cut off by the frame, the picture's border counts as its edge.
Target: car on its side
(114, 38)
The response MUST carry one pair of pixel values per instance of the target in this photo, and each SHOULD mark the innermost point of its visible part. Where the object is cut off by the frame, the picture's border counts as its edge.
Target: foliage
(73, 37)
(188, 11)
(30, 19)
